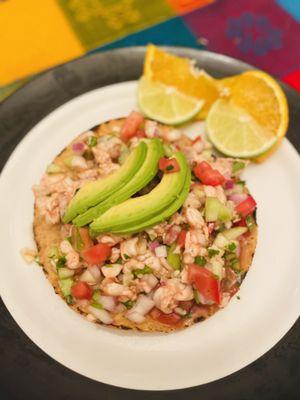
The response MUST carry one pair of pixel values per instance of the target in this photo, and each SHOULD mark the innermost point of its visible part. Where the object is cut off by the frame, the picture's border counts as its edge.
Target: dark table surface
(26, 371)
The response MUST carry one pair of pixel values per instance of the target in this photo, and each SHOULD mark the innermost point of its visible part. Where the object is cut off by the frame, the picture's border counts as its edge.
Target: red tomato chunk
(82, 291)
(246, 207)
(208, 175)
(205, 282)
(131, 125)
(97, 254)
(168, 165)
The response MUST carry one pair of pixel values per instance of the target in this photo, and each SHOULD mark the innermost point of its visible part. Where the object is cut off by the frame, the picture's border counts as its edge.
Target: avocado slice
(94, 192)
(166, 213)
(137, 210)
(143, 176)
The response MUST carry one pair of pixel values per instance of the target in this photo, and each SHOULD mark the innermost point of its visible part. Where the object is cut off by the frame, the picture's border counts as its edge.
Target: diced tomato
(208, 175)
(241, 222)
(81, 239)
(81, 290)
(131, 125)
(181, 238)
(168, 165)
(168, 319)
(140, 134)
(97, 254)
(246, 207)
(205, 282)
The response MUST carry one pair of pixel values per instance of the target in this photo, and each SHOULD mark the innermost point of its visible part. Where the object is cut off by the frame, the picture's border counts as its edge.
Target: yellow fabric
(34, 35)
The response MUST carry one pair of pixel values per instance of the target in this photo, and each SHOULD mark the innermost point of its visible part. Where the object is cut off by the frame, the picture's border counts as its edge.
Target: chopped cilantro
(61, 262)
(142, 271)
(235, 265)
(231, 247)
(88, 155)
(242, 183)
(238, 297)
(126, 256)
(237, 166)
(193, 177)
(250, 222)
(128, 304)
(199, 260)
(188, 315)
(69, 239)
(92, 141)
(69, 299)
(212, 252)
(169, 167)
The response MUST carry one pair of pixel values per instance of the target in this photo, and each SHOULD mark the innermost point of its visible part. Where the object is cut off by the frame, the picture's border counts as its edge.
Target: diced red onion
(229, 184)
(161, 251)
(100, 314)
(78, 147)
(94, 270)
(153, 245)
(237, 198)
(108, 302)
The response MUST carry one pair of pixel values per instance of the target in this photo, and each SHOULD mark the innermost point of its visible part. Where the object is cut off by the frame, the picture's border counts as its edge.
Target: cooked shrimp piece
(194, 217)
(115, 254)
(166, 297)
(72, 257)
(215, 191)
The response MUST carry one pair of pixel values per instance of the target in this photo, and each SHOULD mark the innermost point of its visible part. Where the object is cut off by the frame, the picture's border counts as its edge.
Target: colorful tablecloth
(38, 34)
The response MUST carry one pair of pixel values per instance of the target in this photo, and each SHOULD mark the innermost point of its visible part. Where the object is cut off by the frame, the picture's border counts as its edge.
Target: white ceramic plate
(269, 297)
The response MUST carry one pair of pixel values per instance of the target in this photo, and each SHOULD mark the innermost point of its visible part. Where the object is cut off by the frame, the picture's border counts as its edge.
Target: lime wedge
(165, 103)
(235, 133)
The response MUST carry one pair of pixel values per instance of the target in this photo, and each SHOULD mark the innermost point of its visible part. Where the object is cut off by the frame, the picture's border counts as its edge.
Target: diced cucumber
(216, 211)
(234, 233)
(64, 273)
(65, 286)
(87, 277)
(174, 259)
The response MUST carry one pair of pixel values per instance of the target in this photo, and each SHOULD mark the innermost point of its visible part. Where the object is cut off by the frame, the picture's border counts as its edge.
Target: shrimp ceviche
(139, 226)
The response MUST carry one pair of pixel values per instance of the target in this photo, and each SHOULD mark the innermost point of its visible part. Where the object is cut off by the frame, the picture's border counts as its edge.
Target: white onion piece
(94, 270)
(161, 251)
(87, 277)
(107, 302)
(143, 305)
(237, 198)
(102, 315)
(135, 317)
(111, 271)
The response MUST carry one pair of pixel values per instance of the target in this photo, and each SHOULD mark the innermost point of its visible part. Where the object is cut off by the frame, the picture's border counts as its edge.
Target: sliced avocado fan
(142, 177)
(166, 213)
(140, 209)
(92, 193)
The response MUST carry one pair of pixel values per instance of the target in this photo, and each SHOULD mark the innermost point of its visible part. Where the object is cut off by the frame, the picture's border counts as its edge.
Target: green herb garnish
(92, 141)
(235, 265)
(238, 297)
(193, 177)
(69, 299)
(250, 222)
(142, 271)
(61, 262)
(169, 168)
(231, 247)
(188, 315)
(88, 155)
(126, 256)
(237, 166)
(200, 260)
(128, 304)
(69, 239)
(212, 252)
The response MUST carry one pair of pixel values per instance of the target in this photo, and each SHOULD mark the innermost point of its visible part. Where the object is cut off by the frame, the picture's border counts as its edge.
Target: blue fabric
(291, 6)
(172, 32)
